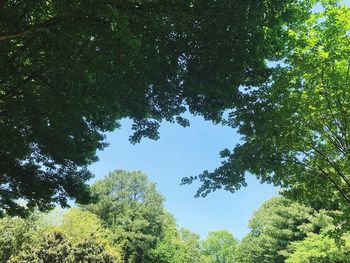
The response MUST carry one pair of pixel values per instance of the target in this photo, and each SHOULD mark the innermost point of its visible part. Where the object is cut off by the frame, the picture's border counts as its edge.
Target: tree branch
(48, 25)
(344, 195)
(29, 30)
(334, 165)
(2, 3)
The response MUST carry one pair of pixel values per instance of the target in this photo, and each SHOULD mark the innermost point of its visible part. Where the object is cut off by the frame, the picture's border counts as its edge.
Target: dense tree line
(128, 224)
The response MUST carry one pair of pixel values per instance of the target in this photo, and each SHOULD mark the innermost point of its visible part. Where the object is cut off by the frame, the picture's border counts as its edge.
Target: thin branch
(330, 104)
(48, 25)
(11, 92)
(347, 74)
(334, 165)
(29, 30)
(327, 131)
(325, 174)
(322, 173)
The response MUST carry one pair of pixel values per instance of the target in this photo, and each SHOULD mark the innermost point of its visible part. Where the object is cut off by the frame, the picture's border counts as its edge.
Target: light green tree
(220, 246)
(273, 226)
(56, 248)
(77, 235)
(13, 234)
(319, 248)
(78, 225)
(324, 243)
(132, 209)
(295, 127)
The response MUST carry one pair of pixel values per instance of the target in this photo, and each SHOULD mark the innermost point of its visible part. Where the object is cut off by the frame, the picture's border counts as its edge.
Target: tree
(318, 248)
(190, 247)
(295, 126)
(80, 225)
(71, 69)
(132, 209)
(16, 233)
(78, 235)
(274, 226)
(323, 242)
(177, 246)
(55, 248)
(220, 246)
(174, 246)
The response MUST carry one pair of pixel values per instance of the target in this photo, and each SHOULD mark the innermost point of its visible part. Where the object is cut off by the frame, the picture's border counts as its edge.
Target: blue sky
(184, 152)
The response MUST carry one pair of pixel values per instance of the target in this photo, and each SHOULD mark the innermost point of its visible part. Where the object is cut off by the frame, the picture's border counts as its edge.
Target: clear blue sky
(184, 152)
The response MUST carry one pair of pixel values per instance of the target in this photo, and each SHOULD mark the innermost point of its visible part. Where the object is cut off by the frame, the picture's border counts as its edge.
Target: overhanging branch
(29, 30)
(48, 25)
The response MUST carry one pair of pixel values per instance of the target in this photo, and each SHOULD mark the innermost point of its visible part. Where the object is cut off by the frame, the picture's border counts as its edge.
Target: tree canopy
(118, 230)
(128, 224)
(132, 209)
(56, 248)
(285, 231)
(78, 237)
(177, 245)
(273, 227)
(71, 69)
(318, 248)
(220, 246)
(295, 127)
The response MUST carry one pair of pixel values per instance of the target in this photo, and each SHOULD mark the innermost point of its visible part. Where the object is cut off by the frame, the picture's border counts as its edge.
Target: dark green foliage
(71, 69)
